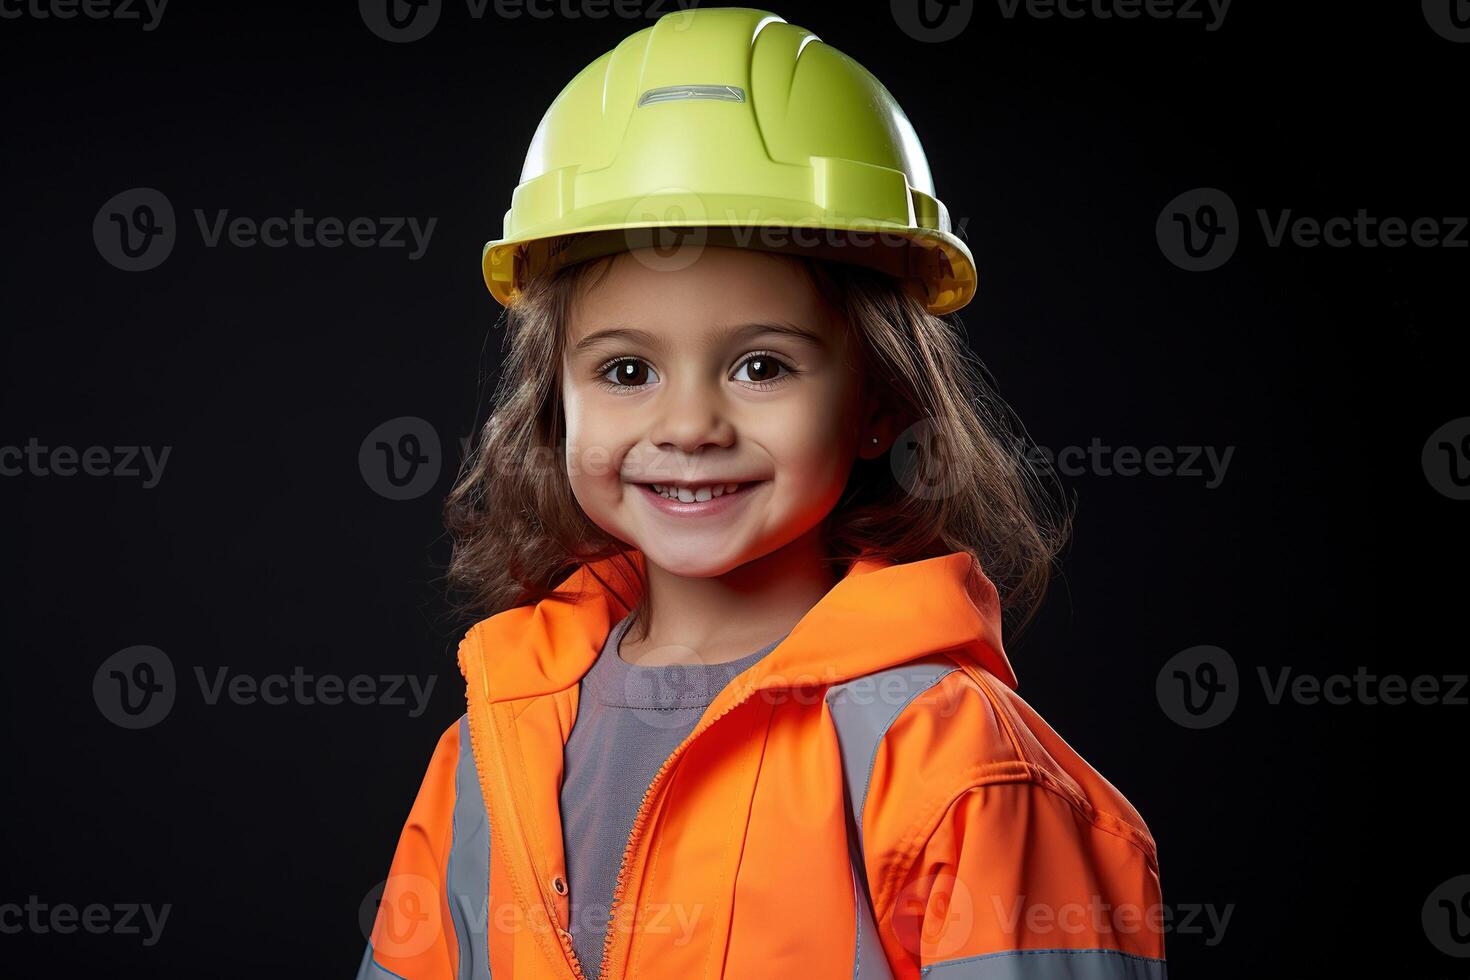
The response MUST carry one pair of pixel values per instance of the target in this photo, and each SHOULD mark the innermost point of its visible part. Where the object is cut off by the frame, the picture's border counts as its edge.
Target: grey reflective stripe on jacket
(468, 868)
(1050, 964)
(467, 873)
(863, 709)
(369, 970)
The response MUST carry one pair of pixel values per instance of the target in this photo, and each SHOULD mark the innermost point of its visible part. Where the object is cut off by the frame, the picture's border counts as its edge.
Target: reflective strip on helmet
(679, 93)
(862, 718)
(1050, 964)
(467, 871)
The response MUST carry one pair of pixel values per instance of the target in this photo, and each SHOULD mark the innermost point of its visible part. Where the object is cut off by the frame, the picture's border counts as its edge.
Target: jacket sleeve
(1021, 880)
(412, 936)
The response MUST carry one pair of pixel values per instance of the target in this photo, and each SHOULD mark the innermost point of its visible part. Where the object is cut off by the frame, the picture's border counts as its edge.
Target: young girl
(745, 520)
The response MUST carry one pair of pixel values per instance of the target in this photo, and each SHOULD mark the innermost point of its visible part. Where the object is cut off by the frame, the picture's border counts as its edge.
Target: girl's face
(677, 383)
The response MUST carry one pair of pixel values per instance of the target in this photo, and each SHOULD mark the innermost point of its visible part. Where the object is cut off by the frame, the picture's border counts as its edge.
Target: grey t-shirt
(629, 719)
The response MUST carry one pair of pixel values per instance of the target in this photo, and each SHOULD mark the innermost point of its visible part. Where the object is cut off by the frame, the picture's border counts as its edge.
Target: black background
(1320, 829)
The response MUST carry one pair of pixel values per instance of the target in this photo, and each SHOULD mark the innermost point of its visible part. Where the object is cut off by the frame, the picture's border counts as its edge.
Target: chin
(691, 562)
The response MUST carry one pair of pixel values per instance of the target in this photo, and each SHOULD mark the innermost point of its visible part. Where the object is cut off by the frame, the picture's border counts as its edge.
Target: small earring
(875, 440)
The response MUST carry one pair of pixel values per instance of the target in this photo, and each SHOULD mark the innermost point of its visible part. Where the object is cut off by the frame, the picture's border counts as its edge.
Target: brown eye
(629, 372)
(760, 369)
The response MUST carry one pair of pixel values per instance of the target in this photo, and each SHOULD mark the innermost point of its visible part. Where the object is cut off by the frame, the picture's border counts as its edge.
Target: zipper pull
(571, 954)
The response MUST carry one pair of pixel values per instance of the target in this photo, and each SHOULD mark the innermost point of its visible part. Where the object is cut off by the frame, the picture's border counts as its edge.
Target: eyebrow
(724, 335)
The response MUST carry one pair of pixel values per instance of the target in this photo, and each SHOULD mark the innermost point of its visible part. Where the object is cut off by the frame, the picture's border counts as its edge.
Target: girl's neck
(716, 620)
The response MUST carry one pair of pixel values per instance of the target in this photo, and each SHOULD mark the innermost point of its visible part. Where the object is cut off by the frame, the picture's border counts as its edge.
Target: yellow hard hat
(736, 128)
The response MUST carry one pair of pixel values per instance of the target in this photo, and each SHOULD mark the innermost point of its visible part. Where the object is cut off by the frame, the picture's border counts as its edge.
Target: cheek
(579, 434)
(592, 453)
(575, 416)
(814, 445)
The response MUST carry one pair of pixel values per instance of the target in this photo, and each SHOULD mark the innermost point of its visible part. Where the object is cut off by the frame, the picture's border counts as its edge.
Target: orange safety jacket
(871, 800)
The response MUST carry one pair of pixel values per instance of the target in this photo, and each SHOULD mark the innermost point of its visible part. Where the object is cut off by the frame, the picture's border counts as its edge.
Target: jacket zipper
(638, 820)
(563, 935)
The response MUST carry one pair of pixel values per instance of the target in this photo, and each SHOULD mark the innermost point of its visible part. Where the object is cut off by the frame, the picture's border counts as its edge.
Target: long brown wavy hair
(965, 476)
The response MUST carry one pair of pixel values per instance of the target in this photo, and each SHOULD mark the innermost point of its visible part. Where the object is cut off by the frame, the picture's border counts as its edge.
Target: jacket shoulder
(939, 728)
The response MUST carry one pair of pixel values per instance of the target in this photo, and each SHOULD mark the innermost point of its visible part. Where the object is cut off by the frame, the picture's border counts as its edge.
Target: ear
(877, 427)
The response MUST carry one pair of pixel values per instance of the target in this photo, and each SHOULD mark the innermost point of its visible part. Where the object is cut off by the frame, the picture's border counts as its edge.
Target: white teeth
(689, 495)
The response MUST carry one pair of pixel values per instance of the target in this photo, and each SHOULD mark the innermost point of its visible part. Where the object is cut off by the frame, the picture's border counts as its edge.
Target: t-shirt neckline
(615, 682)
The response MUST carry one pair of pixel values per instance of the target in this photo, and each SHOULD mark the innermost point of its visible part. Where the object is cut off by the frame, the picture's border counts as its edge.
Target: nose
(691, 418)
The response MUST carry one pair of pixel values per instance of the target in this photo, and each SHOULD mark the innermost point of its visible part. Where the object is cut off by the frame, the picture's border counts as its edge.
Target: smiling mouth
(696, 494)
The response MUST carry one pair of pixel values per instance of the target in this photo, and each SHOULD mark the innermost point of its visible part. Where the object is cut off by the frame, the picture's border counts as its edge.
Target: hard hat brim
(933, 262)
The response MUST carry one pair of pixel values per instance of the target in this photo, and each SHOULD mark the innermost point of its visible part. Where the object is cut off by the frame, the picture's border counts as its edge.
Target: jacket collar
(878, 615)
